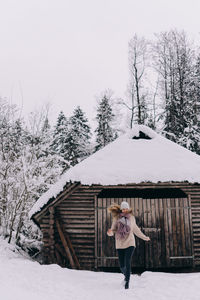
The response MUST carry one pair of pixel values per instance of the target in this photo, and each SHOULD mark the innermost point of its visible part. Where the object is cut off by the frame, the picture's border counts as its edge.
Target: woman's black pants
(125, 256)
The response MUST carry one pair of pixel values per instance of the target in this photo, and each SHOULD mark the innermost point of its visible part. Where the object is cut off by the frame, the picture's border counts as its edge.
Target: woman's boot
(126, 285)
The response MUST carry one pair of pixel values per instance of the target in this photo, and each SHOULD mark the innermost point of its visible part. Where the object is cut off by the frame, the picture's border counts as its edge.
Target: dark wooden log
(70, 188)
(96, 234)
(58, 257)
(73, 252)
(70, 245)
(60, 250)
(65, 245)
(51, 235)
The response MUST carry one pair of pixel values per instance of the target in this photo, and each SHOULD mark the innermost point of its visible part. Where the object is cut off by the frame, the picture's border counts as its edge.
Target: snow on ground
(23, 279)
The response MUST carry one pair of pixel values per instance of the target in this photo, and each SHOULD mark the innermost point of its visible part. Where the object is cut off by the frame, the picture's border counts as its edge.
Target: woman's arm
(113, 228)
(138, 232)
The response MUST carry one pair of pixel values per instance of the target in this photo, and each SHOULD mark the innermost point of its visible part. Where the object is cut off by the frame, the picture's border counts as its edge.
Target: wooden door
(178, 233)
(106, 254)
(152, 227)
(166, 221)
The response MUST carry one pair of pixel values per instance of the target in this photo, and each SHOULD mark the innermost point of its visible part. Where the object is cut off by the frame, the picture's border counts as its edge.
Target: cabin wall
(77, 213)
(166, 221)
(193, 191)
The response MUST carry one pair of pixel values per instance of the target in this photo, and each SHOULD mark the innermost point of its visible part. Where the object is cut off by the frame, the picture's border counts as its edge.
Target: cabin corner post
(191, 228)
(51, 235)
(96, 231)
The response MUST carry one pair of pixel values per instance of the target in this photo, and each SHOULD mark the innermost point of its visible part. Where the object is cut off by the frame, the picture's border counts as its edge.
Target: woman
(124, 227)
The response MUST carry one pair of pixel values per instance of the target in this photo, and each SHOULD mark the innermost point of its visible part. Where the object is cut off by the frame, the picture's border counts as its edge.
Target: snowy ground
(23, 279)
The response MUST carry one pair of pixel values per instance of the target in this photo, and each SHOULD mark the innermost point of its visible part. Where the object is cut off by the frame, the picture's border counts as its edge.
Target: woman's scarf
(123, 226)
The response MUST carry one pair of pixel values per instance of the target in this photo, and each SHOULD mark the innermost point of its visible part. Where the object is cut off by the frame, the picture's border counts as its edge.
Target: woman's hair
(115, 210)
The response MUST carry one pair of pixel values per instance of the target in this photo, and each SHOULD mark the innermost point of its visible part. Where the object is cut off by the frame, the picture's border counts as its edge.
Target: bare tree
(137, 58)
(137, 90)
(173, 61)
(143, 85)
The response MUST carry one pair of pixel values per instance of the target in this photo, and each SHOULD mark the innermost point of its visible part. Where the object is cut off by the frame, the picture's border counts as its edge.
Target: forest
(163, 93)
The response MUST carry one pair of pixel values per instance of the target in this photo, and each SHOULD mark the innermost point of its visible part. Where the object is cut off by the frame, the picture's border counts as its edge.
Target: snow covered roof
(130, 159)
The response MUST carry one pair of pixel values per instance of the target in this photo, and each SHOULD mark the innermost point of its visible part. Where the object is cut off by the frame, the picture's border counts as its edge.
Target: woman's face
(124, 210)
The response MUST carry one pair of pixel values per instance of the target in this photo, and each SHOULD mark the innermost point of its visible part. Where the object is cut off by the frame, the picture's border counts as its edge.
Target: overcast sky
(67, 52)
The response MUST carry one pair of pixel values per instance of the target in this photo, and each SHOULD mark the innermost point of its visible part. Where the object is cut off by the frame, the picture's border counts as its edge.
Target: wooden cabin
(159, 179)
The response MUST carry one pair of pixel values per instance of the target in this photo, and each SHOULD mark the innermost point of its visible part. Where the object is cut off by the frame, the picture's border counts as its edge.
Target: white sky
(68, 51)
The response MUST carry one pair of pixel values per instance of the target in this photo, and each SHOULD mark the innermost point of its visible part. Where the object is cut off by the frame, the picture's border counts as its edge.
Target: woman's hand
(148, 239)
(109, 232)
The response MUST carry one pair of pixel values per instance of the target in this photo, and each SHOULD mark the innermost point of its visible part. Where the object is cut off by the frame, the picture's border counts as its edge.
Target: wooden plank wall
(166, 221)
(78, 215)
(178, 234)
(193, 191)
(45, 228)
(195, 204)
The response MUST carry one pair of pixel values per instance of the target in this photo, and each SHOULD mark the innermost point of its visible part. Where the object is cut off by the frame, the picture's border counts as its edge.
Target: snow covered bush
(27, 169)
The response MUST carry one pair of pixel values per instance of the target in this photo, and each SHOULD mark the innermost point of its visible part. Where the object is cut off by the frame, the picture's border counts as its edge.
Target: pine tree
(104, 132)
(71, 138)
(17, 137)
(60, 143)
(81, 133)
(191, 137)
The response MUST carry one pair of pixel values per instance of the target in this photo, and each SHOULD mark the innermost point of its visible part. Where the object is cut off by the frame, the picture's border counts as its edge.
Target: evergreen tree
(17, 137)
(60, 143)
(81, 133)
(71, 138)
(191, 137)
(104, 131)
